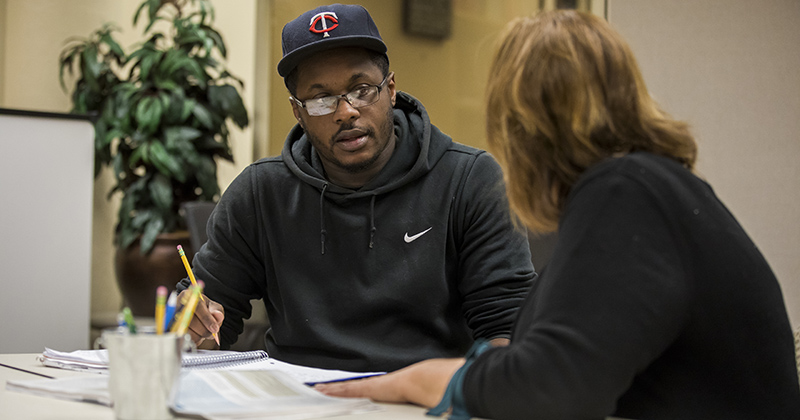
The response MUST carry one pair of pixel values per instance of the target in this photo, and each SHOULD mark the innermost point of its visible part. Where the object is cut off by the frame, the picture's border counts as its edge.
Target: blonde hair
(565, 92)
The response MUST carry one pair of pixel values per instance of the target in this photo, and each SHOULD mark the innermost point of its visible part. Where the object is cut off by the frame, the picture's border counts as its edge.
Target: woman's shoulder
(643, 167)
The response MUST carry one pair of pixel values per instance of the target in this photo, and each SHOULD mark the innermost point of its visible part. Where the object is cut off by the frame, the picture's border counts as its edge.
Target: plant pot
(138, 276)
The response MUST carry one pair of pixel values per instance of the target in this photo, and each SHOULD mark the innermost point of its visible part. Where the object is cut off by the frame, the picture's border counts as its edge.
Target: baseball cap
(324, 28)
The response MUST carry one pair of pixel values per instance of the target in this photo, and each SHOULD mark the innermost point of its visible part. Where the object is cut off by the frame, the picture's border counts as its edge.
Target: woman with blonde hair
(655, 304)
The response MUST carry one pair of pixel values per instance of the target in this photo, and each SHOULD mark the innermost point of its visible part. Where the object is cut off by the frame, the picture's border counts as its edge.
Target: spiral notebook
(97, 360)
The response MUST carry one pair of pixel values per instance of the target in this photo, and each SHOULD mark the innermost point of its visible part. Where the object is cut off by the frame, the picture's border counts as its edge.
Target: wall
(448, 75)
(2, 47)
(729, 68)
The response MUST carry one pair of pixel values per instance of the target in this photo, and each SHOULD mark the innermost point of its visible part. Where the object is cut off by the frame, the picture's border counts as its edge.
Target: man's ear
(296, 112)
(391, 87)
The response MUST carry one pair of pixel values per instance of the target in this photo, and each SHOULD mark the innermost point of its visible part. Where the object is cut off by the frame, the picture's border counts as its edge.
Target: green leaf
(152, 12)
(139, 154)
(165, 101)
(227, 99)
(161, 192)
(154, 227)
(165, 162)
(202, 114)
(217, 39)
(91, 67)
(169, 85)
(174, 114)
(138, 12)
(148, 114)
(188, 107)
(140, 219)
(149, 59)
(115, 49)
(173, 60)
(66, 62)
(126, 233)
(175, 135)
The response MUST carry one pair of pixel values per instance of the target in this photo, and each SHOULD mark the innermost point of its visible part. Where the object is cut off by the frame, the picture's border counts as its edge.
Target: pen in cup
(169, 310)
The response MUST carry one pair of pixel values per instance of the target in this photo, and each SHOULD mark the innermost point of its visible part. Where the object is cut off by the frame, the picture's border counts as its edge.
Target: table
(21, 406)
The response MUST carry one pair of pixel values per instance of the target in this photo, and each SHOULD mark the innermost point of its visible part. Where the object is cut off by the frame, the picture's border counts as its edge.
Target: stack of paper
(86, 388)
(215, 395)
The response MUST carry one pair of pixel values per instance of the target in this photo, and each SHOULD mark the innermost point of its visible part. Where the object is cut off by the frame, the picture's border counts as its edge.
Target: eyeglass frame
(335, 106)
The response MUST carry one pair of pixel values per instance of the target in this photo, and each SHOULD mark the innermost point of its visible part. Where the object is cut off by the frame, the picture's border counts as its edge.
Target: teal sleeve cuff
(454, 394)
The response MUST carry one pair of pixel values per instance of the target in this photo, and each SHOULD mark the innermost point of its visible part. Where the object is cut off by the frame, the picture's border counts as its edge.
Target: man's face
(348, 140)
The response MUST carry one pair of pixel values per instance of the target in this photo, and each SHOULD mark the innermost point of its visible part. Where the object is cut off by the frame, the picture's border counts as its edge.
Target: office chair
(797, 350)
(196, 214)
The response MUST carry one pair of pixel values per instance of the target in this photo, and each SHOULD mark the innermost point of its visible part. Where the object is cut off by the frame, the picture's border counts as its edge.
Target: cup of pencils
(145, 363)
(144, 369)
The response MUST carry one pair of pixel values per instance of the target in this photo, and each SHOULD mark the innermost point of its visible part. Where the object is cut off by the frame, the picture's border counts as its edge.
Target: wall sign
(428, 18)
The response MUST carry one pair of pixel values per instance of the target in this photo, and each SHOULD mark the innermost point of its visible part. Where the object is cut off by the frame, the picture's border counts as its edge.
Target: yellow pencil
(193, 280)
(188, 268)
(185, 317)
(161, 303)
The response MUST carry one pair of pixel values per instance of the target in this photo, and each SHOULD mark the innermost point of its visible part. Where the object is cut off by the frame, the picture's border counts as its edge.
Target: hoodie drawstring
(322, 216)
(372, 228)
(323, 232)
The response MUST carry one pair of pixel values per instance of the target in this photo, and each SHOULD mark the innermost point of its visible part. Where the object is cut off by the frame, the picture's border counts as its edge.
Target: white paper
(242, 394)
(215, 395)
(85, 388)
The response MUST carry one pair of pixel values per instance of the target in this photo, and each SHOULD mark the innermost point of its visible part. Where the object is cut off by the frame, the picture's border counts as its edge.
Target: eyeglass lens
(363, 96)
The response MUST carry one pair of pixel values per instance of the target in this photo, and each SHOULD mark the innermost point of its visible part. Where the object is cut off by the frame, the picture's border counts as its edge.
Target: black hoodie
(415, 264)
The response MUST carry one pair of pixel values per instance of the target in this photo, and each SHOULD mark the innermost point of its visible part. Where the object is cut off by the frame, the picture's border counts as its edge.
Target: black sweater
(655, 305)
(345, 282)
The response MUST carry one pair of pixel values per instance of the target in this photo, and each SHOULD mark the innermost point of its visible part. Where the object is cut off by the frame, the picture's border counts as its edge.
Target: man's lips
(351, 140)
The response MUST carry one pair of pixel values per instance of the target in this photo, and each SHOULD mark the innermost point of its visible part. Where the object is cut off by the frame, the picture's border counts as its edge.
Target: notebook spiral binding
(213, 361)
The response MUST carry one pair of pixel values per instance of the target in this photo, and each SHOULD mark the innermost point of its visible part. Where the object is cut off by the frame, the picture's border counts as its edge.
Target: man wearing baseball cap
(374, 239)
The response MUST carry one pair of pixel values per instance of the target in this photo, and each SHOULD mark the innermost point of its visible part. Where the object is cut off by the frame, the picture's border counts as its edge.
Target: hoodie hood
(419, 146)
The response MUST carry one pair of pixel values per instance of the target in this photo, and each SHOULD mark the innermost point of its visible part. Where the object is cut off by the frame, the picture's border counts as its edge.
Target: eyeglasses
(363, 95)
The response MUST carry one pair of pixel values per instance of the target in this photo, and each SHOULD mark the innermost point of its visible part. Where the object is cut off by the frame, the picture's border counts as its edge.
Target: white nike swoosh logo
(410, 239)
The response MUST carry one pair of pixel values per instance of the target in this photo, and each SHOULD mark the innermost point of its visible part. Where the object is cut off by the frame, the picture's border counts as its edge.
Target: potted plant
(161, 121)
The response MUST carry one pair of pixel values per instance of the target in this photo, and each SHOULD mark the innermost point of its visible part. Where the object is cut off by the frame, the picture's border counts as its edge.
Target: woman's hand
(422, 384)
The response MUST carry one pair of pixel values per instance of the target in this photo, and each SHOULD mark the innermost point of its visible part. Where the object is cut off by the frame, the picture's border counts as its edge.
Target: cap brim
(292, 60)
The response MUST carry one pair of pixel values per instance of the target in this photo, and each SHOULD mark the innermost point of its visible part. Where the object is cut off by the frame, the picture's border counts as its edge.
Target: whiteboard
(46, 188)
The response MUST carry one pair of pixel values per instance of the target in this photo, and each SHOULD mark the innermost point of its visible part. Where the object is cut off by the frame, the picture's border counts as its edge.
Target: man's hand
(206, 321)
(422, 383)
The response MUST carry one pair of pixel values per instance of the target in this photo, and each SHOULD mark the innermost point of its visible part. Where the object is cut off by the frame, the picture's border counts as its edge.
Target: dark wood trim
(45, 114)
